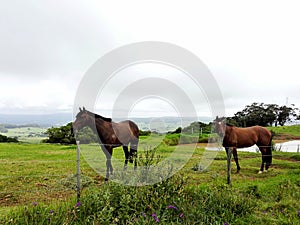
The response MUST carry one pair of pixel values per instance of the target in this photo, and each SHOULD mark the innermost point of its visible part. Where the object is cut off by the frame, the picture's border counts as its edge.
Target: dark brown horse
(235, 137)
(111, 135)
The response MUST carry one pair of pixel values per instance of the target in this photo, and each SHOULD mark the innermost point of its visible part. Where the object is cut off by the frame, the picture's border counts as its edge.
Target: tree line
(4, 138)
(264, 115)
(254, 114)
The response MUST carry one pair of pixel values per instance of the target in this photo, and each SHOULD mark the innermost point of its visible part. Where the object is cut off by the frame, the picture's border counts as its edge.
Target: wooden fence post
(78, 171)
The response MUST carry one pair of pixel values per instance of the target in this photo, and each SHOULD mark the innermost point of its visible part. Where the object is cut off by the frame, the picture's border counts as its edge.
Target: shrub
(4, 138)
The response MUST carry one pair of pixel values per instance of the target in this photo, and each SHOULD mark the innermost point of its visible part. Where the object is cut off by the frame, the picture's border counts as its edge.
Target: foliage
(86, 135)
(62, 135)
(4, 138)
(263, 115)
(167, 202)
(145, 132)
(175, 139)
(177, 131)
(197, 127)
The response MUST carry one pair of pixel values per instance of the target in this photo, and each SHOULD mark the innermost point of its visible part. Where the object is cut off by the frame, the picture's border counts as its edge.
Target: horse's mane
(102, 117)
(97, 116)
(229, 125)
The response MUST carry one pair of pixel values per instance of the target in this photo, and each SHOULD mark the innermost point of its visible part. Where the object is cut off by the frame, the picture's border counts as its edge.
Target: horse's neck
(102, 128)
(228, 133)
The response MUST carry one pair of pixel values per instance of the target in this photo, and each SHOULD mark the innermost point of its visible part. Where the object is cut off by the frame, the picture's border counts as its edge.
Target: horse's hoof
(265, 171)
(260, 172)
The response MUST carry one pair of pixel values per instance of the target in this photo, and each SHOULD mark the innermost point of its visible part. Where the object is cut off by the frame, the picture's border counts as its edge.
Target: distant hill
(59, 119)
(44, 120)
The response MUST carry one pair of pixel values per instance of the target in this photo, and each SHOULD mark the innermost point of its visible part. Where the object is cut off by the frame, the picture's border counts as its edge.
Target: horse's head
(220, 125)
(83, 118)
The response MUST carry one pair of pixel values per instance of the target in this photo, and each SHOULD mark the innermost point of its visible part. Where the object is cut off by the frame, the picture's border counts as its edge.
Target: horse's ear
(83, 108)
(80, 109)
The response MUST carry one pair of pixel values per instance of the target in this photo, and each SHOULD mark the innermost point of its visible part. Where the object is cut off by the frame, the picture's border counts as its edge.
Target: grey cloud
(39, 38)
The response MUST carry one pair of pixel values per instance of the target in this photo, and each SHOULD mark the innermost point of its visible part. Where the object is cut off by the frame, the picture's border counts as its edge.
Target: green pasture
(293, 130)
(37, 186)
(27, 134)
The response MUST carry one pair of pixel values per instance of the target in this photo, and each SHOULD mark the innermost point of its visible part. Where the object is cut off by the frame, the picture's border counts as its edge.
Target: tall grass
(171, 202)
(167, 202)
(189, 197)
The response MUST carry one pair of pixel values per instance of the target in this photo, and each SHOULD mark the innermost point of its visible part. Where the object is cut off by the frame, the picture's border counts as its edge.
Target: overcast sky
(252, 48)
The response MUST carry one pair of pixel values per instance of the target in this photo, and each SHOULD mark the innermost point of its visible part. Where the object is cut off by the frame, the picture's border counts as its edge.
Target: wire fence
(17, 181)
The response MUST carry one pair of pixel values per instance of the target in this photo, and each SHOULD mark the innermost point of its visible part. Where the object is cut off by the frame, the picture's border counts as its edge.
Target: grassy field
(27, 134)
(286, 132)
(37, 186)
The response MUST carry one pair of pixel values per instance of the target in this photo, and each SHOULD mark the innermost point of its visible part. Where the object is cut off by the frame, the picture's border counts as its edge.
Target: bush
(173, 139)
(4, 138)
(62, 135)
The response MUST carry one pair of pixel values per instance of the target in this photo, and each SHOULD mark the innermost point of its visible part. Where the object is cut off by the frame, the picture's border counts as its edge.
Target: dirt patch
(285, 137)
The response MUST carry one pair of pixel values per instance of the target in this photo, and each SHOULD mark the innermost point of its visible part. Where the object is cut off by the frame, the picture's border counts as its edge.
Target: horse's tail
(269, 152)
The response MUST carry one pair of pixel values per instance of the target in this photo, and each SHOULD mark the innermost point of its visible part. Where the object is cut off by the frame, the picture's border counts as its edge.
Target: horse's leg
(126, 152)
(133, 153)
(235, 156)
(229, 155)
(109, 169)
(263, 159)
(226, 149)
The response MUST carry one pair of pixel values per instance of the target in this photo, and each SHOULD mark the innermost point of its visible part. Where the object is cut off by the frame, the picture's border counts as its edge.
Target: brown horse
(235, 137)
(111, 135)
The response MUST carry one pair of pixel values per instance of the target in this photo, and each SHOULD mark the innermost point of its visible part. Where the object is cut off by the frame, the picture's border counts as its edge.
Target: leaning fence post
(229, 156)
(78, 171)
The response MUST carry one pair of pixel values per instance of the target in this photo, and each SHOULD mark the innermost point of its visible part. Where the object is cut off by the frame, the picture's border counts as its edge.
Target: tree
(285, 114)
(63, 135)
(86, 136)
(263, 115)
(197, 127)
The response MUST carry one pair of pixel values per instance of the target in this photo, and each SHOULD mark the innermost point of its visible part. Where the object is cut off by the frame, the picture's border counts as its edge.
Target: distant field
(27, 134)
(36, 134)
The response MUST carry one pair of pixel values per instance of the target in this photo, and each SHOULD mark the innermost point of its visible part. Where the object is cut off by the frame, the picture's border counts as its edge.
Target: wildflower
(154, 216)
(51, 212)
(180, 215)
(172, 207)
(298, 212)
(225, 223)
(143, 214)
(34, 203)
(78, 204)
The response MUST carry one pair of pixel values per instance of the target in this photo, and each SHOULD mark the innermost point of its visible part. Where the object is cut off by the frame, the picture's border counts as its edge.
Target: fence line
(77, 175)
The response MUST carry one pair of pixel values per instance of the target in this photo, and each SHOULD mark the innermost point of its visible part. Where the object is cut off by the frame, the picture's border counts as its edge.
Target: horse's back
(242, 137)
(127, 129)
